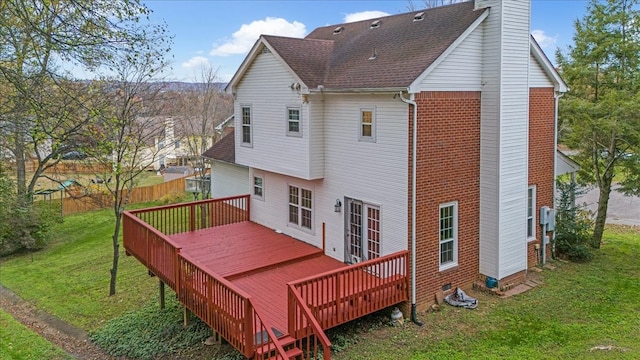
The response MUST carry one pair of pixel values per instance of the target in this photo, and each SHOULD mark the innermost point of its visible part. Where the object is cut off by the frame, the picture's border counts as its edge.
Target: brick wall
(541, 157)
(448, 166)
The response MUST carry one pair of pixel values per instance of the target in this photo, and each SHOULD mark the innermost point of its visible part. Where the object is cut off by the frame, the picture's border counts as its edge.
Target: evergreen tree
(601, 112)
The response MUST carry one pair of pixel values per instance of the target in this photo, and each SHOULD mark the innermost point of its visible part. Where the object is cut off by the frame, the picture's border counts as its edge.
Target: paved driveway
(624, 210)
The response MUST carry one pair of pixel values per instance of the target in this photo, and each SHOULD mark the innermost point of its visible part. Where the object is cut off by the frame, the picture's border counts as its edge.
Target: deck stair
(287, 342)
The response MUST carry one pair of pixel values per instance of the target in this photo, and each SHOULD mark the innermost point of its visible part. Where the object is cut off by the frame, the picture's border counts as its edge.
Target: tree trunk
(116, 256)
(601, 217)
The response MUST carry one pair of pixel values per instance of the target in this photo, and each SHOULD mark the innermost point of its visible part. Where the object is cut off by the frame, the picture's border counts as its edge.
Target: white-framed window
(367, 131)
(258, 187)
(531, 212)
(448, 235)
(301, 207)
(247, 131)
(294, 125)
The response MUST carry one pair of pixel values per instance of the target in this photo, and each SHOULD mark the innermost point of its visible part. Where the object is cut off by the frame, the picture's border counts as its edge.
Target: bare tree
(202, 110)
(126, 122)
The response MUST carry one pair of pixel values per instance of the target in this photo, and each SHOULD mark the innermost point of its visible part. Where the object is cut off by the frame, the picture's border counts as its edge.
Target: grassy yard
(578, 308)
(24, 344)
(70, 279)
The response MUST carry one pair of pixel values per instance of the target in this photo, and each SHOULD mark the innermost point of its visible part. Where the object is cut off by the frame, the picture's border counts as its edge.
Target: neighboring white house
(325, 126)
(227, 177)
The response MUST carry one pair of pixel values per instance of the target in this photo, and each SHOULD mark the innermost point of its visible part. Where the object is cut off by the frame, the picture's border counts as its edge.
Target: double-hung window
(448, 235)
(294, 127)
(246, 125)
(367, 125)
(531, 212)
(300, 207)
(258, 187)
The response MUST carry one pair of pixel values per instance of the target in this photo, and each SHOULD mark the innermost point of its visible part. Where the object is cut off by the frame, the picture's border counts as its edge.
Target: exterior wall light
(338, 206)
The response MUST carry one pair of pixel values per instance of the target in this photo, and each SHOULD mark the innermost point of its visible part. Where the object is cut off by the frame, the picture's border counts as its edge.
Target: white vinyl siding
(504, 139)
(229, 179)
(537, 76)
(531, 213)
(262, 87)
(349, 173)
(448, 235)
(456, 72)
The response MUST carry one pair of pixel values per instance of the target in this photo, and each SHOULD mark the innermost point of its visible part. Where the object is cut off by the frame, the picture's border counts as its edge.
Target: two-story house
(431, 131)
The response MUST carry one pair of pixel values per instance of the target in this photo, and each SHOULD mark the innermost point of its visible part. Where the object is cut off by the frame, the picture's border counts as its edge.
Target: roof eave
(538, 54)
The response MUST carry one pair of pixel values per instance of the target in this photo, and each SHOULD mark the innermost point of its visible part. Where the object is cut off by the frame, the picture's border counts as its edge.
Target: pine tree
(601, 112)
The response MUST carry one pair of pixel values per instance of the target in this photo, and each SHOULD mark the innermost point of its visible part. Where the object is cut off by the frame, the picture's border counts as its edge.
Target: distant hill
(180, 86)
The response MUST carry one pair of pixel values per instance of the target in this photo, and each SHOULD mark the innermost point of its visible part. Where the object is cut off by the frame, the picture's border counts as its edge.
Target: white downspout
(414, 147)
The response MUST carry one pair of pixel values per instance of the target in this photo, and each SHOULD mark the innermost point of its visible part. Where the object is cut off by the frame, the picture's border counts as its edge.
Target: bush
(573, 224)
(150, 332)
(23, 225)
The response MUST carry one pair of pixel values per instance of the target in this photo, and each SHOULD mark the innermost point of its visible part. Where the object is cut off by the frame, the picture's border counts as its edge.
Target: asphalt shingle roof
(403, 48)
(224, 149)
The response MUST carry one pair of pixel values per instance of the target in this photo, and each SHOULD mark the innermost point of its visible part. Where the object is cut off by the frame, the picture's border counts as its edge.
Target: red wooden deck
(258, 261)
(247, 281)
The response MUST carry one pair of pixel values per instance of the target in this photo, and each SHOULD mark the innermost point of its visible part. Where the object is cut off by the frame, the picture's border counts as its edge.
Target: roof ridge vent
(338, 30)
(375, 24)
(418, 16)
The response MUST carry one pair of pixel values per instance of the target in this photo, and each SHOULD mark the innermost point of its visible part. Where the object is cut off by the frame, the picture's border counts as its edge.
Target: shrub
(150, 332)
(23, 225)
(573, 224)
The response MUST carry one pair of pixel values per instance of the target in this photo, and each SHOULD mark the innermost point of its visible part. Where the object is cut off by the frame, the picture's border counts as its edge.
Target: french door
(362, 233)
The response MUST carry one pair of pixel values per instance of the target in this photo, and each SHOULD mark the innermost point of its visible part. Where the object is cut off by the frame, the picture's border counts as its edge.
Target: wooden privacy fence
(79, 204)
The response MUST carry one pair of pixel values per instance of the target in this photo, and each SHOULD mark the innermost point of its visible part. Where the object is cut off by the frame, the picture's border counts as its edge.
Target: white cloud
(543, 40)
(196, 62)
(243, 39)
(364, 15)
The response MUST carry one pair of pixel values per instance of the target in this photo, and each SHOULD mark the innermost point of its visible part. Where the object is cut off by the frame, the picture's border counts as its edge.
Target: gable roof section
(224, 149)
(403, 48)
(390, 56)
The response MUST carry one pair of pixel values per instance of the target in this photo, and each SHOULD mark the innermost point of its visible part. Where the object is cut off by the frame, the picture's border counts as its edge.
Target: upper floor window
(300, 207)
(531, 212)
(367, 125)
(246, 125)
(293, 122)
(258, 187)
(448, 235)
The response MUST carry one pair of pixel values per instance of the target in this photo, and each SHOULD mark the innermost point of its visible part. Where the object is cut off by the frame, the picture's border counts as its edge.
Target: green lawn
(579, 307)
(20, 343)
(70, 279)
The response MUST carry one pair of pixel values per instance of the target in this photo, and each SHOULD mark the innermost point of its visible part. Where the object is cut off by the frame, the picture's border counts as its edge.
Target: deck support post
(185, 317)
(161, 290)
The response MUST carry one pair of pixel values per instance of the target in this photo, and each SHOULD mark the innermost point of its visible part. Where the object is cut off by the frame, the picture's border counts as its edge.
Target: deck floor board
(272, 260)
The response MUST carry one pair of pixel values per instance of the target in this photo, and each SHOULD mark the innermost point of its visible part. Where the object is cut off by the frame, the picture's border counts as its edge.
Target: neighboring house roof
(223, 150)
(363, 55)
(564, 164)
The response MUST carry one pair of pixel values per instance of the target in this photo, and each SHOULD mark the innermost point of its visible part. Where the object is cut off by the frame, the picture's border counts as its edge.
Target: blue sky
(220, 33)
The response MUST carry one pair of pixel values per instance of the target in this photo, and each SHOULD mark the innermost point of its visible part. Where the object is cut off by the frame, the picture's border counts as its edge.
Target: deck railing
(196, 215)
(310, 337)
(226, 309)
(338, 296)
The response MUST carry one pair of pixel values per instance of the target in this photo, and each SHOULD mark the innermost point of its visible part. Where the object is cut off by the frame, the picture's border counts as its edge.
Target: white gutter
(414, 147)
